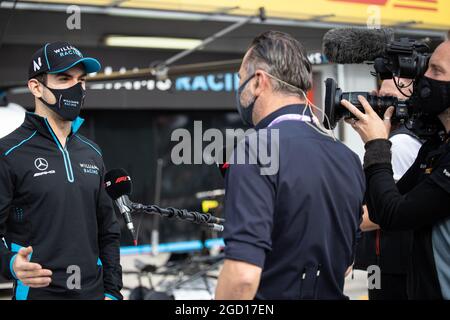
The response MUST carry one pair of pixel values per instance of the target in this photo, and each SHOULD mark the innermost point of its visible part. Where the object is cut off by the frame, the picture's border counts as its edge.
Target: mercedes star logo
(41, 164)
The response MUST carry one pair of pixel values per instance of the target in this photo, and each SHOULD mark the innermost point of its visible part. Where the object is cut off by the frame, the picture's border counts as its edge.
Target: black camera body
(403, 58)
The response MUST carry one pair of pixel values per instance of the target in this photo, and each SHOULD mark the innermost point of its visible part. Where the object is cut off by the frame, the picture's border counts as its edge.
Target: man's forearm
(110, 258)
(235, 291)
(238, 281)
(231, 289)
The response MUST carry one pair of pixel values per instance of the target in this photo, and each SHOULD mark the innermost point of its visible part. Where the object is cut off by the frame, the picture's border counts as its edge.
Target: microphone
(118, 186)
(356, 45)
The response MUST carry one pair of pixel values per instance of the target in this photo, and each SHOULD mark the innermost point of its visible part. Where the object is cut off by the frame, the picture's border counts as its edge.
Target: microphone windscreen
(355, 45)
(118, 183)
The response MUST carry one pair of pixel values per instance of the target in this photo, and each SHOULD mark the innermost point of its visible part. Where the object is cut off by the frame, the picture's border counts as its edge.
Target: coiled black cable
(182, 214)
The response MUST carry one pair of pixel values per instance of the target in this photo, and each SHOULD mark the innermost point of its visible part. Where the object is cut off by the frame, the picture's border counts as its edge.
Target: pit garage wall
(135, 137)
(217, 93)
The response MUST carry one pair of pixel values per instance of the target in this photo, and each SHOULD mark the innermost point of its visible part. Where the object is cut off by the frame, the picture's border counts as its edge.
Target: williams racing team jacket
(53, 199)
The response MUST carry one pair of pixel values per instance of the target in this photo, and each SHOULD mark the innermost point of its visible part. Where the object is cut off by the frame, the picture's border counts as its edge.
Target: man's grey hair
(282, 56)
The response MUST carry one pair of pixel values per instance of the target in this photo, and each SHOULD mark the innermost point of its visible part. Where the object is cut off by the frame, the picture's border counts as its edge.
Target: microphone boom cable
(182, 214)
(118, 186)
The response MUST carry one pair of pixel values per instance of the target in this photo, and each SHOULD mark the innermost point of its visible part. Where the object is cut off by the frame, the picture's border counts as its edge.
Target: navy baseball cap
(57, 57)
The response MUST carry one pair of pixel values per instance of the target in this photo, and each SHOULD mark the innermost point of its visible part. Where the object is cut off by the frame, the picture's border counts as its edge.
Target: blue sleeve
(249, 210)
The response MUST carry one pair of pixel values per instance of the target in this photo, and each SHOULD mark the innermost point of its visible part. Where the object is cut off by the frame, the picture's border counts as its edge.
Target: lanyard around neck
(290, 116)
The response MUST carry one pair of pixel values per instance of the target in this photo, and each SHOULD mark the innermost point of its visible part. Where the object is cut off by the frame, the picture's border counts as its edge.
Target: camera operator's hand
(369, 125)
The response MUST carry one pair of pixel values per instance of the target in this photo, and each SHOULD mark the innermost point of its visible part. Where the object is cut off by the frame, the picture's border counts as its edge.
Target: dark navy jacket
(53, 199)
(301, 224)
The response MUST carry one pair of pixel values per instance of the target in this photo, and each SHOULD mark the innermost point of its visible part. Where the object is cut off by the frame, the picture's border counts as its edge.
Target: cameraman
(387, 249)
(421, 199)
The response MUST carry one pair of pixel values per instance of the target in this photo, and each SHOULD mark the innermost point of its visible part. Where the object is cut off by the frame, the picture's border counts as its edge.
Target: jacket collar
(36, 122)
(291, 108)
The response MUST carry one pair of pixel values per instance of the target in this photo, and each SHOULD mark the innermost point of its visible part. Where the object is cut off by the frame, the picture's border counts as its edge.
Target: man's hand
(31, 274)
(367, 224)
(369, 125)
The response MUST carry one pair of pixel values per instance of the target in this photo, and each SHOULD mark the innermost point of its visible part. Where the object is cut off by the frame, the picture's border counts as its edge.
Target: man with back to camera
(390, 250)
(61, 235)
(420, 201)
(291, 234)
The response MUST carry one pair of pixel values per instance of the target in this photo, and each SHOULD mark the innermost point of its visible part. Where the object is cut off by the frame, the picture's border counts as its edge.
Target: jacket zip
(65, 153)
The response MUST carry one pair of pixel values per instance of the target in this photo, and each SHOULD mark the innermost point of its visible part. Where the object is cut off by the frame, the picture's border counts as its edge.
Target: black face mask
(246, 112)
(68, 101)
(433, 96)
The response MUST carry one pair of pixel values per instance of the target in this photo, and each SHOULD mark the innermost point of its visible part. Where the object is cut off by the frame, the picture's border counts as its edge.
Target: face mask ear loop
(314, 120)
(319, 127)
(44, 101)
(58, 99)
(330, 132)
